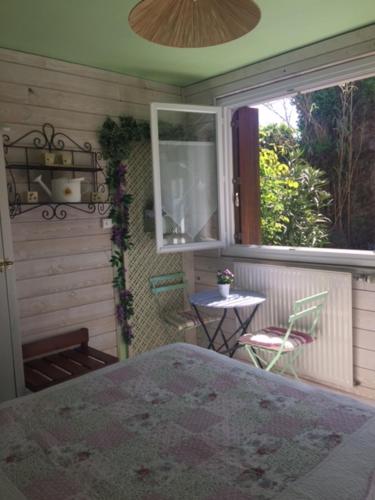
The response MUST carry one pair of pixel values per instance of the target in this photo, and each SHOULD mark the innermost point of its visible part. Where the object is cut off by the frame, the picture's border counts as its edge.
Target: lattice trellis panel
(143, 261)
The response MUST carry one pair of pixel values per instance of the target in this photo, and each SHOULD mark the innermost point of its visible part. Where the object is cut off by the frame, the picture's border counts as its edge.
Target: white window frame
(313, 80)
(217, 111)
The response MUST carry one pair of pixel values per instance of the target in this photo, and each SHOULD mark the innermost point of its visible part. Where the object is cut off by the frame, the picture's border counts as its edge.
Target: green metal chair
(286, 342)
(179, 319)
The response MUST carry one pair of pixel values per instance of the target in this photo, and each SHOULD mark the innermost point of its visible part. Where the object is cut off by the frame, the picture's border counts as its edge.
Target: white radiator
(329, 360)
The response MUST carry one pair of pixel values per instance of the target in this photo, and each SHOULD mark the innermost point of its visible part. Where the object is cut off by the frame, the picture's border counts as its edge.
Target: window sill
(353, 258)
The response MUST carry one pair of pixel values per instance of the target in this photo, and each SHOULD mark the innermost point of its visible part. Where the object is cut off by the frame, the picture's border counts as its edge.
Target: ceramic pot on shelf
(64, 190)
(224, 290)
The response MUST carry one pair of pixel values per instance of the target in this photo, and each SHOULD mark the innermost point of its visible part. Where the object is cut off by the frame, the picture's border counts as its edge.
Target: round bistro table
(236, 300)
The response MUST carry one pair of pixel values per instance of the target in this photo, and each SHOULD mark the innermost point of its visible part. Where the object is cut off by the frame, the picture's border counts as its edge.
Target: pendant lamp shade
(193, 23)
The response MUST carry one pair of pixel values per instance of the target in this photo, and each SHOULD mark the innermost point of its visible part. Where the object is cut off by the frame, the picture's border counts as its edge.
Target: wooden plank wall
(64, 280)
(206, 265)
(364, 333)
(63, 274)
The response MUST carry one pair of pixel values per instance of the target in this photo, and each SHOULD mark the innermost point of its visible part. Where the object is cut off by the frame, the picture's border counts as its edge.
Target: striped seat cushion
(272, 337)
(182, 320)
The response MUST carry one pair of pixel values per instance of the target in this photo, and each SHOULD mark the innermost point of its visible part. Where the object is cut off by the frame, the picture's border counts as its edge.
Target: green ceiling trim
(96, 33)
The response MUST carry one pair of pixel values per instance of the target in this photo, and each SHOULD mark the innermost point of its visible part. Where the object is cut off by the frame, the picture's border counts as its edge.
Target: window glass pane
(188, 174)
(317, 168)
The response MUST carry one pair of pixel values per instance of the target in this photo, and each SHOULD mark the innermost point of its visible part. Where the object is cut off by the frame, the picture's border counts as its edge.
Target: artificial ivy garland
(116, 140)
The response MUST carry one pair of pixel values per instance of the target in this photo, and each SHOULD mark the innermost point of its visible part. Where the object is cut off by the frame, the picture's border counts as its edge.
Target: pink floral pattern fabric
(178, 423)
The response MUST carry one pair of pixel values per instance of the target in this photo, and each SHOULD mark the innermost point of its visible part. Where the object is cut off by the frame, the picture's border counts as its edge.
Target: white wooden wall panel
(35, 326)
(85, 71)
(62, 264)
(54, 229)
(65, 300)
(64, 280)
(34, 249)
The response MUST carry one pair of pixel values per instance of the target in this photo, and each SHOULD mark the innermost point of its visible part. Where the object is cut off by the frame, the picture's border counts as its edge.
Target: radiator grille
(329, 360)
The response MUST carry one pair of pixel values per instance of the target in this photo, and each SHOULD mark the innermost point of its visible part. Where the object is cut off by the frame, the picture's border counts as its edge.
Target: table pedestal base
(244, 325)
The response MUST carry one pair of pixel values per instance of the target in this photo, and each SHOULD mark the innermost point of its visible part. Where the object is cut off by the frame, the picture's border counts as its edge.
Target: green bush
(293, 193)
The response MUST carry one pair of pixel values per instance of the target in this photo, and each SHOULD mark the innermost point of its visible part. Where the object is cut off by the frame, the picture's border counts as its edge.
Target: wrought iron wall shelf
(57, 168)
(58, 210)
(23, 156)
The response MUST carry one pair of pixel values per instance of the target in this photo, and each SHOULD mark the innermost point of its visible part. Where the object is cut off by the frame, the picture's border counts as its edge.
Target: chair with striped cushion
(182, 319)
(278, 341)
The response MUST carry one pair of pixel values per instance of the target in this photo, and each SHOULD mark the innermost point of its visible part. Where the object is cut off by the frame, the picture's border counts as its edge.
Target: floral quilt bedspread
(183, 423)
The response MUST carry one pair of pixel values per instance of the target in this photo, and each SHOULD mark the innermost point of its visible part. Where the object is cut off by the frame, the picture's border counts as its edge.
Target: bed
(182, 423)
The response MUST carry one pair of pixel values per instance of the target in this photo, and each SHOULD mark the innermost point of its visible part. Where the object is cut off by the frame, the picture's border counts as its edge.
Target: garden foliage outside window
(317, 168)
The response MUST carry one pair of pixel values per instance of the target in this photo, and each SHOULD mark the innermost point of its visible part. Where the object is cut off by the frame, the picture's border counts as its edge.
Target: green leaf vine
(117, 139)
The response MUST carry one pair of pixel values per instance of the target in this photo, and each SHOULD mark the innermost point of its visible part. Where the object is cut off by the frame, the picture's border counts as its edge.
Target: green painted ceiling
(96, 33)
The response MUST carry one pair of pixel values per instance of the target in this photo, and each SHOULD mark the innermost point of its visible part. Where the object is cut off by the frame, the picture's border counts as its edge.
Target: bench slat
(83, 359)
(49, 370)
(101, 356)
(34, 381)
(66, 364)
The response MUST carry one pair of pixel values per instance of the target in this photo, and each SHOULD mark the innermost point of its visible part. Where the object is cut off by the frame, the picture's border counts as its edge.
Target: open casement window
(246, 180)
(187, 145)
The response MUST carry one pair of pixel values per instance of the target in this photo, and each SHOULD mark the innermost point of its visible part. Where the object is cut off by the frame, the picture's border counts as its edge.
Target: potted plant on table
(224, 280)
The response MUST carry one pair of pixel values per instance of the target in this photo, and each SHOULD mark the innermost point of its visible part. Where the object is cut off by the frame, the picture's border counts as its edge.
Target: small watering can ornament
(64, 190)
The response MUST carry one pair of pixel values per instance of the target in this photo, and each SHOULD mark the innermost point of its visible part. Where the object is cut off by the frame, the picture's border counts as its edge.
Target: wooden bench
(57, 359)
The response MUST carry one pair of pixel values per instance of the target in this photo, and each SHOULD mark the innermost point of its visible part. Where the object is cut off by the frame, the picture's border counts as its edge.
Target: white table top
(237, 298)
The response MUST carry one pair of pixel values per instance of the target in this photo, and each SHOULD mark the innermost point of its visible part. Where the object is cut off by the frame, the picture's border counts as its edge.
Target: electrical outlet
(107, 223)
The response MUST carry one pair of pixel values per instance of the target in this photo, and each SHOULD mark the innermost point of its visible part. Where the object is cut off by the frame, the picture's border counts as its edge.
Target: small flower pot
(224, 290)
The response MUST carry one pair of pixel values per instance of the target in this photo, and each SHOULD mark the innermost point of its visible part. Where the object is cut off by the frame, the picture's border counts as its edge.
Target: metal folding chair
(183, 319)
(287, 342)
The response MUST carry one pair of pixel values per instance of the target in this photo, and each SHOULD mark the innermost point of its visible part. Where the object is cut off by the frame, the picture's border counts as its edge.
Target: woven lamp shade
(193, 23)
